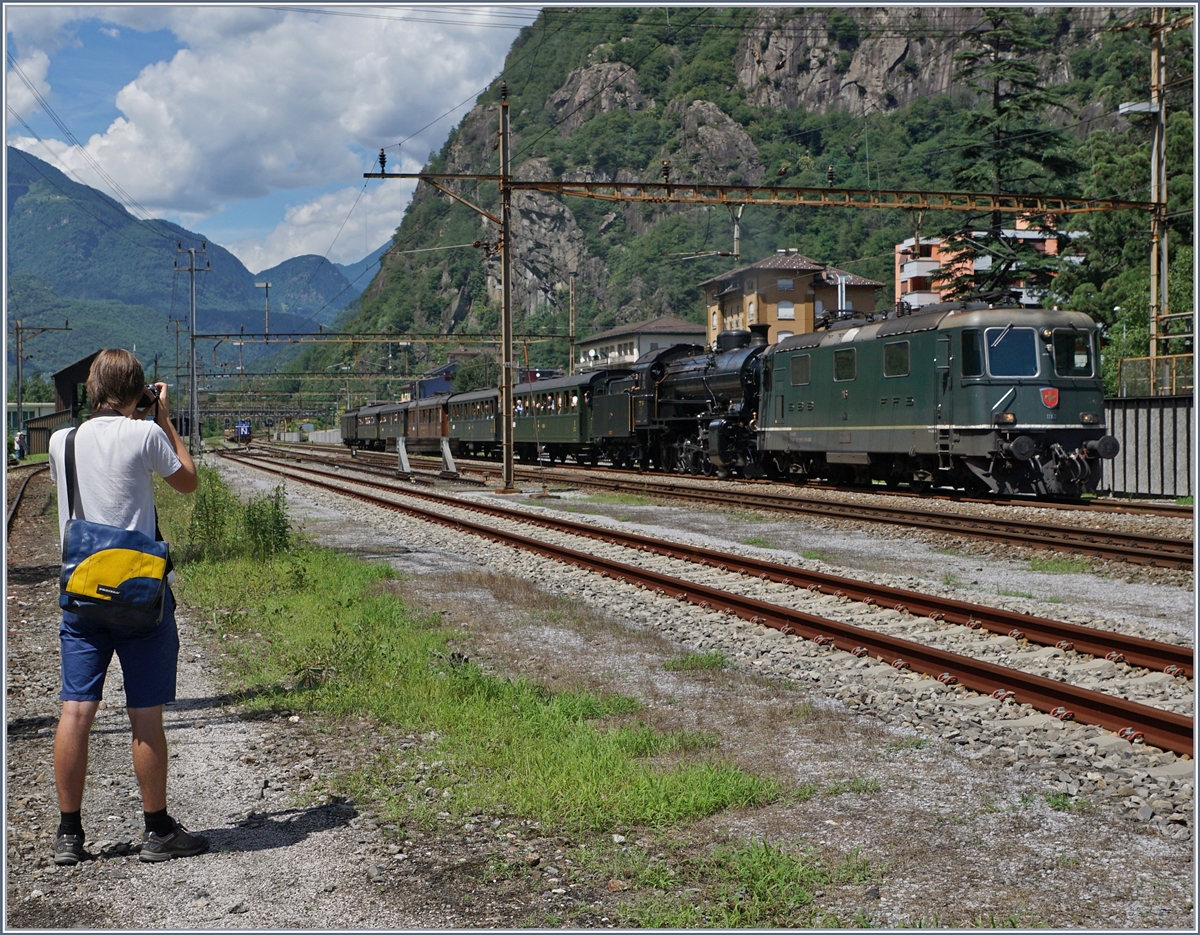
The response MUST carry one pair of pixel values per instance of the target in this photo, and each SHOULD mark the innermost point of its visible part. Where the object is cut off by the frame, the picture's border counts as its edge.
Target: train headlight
(1006, 418)
(1089, 418)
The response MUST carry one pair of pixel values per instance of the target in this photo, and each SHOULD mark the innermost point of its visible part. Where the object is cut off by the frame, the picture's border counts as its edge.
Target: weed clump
(221, 526)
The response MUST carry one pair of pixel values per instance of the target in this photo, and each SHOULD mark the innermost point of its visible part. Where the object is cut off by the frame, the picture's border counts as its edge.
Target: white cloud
(19, 97)
(263, 100)
(313, 226)
(111, 32)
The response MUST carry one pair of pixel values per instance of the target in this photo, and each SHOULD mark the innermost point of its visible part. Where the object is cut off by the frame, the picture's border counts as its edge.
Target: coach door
(944, 389)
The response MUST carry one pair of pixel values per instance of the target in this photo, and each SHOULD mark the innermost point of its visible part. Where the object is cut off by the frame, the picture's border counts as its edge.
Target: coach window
(801, 369)
(972, 353)
(1012, 352)
(895, 359)
(1072, 353)
(845, 364)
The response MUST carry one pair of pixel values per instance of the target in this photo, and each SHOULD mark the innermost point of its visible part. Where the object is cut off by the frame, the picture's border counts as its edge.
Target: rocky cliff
(742, 96)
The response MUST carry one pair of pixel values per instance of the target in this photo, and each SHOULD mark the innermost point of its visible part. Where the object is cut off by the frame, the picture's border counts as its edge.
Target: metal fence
(1156, 436)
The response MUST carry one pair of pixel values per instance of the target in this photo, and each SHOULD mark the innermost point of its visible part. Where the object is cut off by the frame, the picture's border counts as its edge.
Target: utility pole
(507, 367)
(194, 402)
(571, 331)
(266, 287)
(23, 334)
(504, 247)
(1158, 193)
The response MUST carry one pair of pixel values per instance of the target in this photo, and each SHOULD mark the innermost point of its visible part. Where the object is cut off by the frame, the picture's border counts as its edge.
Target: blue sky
(248, 124)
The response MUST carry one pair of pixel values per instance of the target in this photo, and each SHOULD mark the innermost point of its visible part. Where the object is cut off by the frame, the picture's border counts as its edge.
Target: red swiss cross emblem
(1050, 397)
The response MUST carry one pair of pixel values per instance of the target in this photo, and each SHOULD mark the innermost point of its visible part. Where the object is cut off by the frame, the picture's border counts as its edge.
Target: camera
(149, 398)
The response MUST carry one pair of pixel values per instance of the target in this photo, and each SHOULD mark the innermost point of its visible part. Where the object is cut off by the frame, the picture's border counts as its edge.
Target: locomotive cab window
(845, 364)
(895, 359)
(972, 353)
(1011, 352)
(1072, 353)
(801, 369)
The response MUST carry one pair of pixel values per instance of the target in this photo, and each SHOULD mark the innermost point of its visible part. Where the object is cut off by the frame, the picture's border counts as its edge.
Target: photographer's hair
(116, 379)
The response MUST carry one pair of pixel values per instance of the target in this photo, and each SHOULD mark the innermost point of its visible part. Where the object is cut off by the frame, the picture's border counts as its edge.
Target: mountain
(79, 246)
(308, 287)
(748, 96)
(76, 253)
(359, 274)
(94, 323)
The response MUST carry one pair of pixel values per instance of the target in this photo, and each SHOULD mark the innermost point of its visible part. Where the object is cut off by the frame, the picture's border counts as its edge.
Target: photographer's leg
(150, 755)
(71, 752)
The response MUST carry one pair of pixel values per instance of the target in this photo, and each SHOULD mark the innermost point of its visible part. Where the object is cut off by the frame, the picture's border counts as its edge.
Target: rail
(1164, 729)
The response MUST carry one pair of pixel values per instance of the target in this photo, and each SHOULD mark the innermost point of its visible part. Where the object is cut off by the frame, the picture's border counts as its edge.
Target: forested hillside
(766, 97)
(74, 252)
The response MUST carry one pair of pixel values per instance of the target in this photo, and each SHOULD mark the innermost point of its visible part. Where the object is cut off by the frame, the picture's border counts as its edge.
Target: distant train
(1006, 400)
(242, 433)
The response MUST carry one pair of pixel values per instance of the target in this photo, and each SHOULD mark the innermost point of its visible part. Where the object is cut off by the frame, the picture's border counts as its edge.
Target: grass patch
(691, 662)
(951, 580)
(758, 541)
(1181, 501)
(335, 642)
(1004, 592)
(739, 516)
(329, 634)
(1064, 802)
(622, 499)
(908, 743)
(754, 885)
(1060, 565)
(815, 555)
(857, 784)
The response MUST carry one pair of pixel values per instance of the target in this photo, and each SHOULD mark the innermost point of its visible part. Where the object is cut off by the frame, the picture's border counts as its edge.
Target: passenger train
(1000, 400)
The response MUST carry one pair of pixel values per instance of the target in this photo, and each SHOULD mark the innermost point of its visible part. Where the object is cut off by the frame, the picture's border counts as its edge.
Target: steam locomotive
(1000, 400)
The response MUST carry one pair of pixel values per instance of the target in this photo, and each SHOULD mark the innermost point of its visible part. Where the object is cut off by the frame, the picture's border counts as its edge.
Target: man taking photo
(118, 450)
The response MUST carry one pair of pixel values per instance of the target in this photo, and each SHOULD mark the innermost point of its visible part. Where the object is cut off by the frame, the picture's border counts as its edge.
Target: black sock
(159, 822)
(70, 823)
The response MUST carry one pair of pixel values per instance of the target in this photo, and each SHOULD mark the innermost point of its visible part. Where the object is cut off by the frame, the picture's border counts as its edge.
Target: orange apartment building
(787, 291)
(916, 263)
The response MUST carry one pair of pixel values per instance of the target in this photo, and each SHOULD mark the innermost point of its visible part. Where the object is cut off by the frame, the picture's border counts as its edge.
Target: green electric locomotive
(1007, 400)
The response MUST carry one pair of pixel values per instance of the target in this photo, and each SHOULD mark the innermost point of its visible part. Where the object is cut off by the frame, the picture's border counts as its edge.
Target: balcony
(914, 269)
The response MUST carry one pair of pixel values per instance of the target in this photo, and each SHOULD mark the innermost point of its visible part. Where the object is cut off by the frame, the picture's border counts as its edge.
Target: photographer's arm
(184, 480)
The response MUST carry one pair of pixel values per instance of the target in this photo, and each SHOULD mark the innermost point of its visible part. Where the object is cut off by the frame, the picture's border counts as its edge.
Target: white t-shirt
(115, 462)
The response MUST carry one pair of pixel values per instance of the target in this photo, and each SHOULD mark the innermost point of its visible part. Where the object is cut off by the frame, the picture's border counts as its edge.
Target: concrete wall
(1156, 439)
(326, 437)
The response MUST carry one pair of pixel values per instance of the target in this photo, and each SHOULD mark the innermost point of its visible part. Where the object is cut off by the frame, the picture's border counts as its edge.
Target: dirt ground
(950, 841)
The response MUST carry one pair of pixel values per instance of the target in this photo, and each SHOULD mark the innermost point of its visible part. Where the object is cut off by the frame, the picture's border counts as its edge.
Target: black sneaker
(68, 850)
(179, 843)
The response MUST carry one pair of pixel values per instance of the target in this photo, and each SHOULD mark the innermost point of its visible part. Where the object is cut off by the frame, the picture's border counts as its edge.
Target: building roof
(665, 325)
(798, 263)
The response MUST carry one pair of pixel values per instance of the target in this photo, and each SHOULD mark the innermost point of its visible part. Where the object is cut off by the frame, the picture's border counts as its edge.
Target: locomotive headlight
(1047, 334)
(1006, 418)
(1089, 418)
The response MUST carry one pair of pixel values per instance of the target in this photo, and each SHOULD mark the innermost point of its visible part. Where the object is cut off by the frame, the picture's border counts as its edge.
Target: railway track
(1164, 729)
(1088, 505)
(12, 510)
(1134, 548)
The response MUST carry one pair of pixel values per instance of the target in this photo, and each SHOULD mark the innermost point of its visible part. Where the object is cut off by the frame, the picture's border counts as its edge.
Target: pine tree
(1007, 147)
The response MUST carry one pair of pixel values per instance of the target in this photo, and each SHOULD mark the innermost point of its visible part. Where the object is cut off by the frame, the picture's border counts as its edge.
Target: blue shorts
(148, 659)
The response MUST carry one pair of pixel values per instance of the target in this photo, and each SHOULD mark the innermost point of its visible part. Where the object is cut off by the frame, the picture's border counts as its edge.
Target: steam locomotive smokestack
(758, 334)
